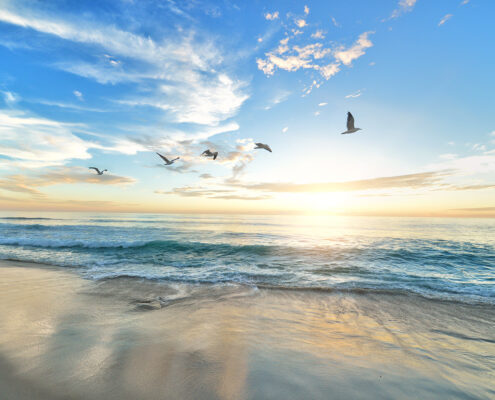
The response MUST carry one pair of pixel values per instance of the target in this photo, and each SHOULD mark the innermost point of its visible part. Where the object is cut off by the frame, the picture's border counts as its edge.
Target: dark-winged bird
(209, 153)
(263, 146)
(167, 161)
(350, 125)
(98, 171)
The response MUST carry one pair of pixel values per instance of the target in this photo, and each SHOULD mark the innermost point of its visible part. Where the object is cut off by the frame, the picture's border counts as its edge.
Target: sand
(63, 337)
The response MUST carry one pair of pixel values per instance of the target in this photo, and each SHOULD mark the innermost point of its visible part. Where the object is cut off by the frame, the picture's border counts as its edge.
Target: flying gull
(350, 125)
(263, 146)
(98, 171)
(167, 161)
(209, 153)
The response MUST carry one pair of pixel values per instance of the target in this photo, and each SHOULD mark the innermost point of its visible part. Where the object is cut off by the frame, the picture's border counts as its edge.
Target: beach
(65, 337)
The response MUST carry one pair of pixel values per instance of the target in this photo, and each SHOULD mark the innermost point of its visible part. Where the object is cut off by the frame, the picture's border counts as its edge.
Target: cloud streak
(410, 181)
(182, 75)
(403, 7)
(29, 184)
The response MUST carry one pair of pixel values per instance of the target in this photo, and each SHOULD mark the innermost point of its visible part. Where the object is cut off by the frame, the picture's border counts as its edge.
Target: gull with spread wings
(350, 125)
(263, 146)
(98, 171)
(167, 161)
(209, 153)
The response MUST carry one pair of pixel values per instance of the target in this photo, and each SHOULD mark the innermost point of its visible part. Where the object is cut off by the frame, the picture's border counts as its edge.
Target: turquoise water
(451, 259)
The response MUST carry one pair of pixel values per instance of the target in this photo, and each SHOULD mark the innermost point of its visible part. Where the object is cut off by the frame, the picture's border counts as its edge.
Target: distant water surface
(451, 259)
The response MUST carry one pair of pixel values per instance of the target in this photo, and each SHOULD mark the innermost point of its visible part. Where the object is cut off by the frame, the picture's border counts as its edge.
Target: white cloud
(479, 147)
(196, 101)
(404, 6)
(445, 19)
(322, 104)
(313, 56)
(318, 35)
(271, 16)
(327, 71)
(336, 24)
(301, 23)
(355, 51)
(285, 129)
(183, 73)
(464, 2)
(354, 95)
(306, 10)
(10, 97)
(78, 94)
(38, 142)
(317, 113)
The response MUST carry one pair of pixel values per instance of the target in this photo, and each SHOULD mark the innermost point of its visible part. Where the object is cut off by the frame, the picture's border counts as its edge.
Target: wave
(31, 218)
(442, 257)
(461, 297)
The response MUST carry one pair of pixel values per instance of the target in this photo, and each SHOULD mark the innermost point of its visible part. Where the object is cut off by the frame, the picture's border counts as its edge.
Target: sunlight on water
(441, 258)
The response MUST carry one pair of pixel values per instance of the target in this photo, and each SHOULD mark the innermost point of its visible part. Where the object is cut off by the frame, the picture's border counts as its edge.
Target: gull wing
(163, 158)
(96, 169)
(350, 122)
(268, 148)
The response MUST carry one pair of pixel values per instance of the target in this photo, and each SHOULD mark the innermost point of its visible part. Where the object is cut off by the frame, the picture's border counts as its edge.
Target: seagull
(263, 146)
(208, 153)
(350, 125)
(98, 171)
(167, 161)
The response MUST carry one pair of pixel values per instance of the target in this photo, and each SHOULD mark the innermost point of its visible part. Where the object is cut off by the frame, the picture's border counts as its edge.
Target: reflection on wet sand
(63, 337)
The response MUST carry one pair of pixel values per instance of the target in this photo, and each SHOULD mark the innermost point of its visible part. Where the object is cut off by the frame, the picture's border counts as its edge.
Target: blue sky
(108, 83)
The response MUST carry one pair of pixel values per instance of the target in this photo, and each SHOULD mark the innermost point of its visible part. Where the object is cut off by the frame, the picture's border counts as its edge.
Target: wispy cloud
(10, 98)
(445, 19)
(30, 184)
(280, 97)
(354, 95)
(78, 94)
(183, 74)
(411, 181)
(218, 194)
(404, 6)
(39, 142)
(318, 35)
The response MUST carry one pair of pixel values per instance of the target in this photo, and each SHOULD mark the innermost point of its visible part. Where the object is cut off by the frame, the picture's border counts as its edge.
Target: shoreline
(351, 291)
(63, 336)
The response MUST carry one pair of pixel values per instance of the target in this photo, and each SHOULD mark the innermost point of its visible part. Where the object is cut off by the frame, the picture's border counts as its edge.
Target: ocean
(446, 259)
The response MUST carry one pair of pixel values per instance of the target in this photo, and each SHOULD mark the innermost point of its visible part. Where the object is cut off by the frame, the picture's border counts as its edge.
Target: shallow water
(437, 258)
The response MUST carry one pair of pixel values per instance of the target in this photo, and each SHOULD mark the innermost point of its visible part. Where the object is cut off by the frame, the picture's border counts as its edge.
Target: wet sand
(62, 337)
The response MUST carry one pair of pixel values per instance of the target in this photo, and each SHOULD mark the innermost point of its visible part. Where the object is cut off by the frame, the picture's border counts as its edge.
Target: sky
(110, 83)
